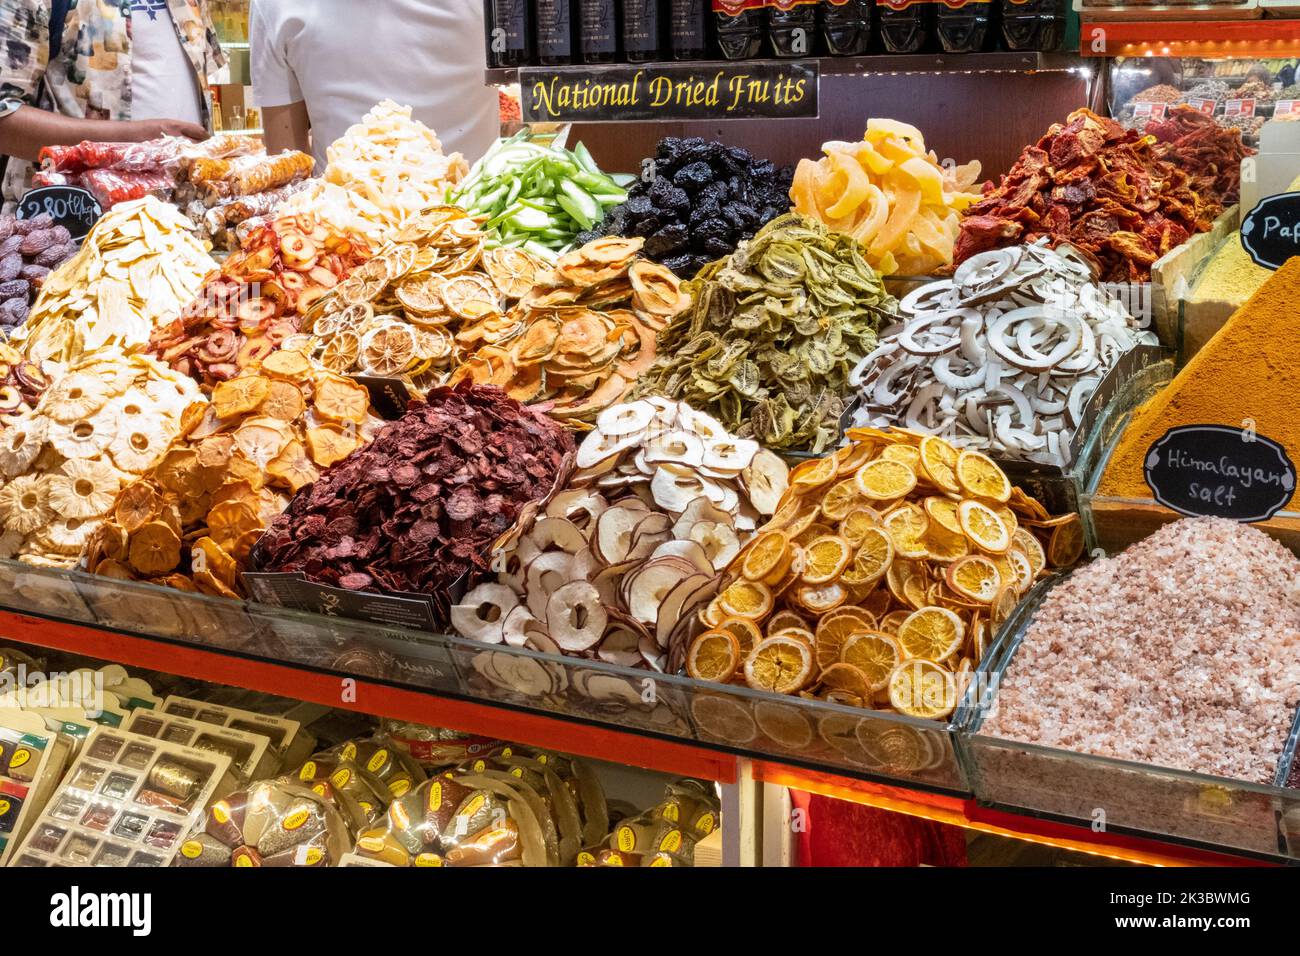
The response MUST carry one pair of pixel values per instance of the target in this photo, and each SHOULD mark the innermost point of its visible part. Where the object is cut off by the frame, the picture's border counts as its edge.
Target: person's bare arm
(27, 130)
(286, 127)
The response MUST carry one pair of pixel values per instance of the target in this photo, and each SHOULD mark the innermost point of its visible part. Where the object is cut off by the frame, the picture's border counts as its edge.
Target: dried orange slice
(943, 512)
(784, 619)
(854, 527)
(239, 395)
(724, 718)
(822, 597)
(921, 688)
(748, 599)
(765, 555)
(945, 547)
(885, 480)
(847, 678)
(974, 577)
(933, 633)
(841, 499)
(811, 475)
(1065, 546)
(939, 463)
(746, 633)
(284, 401)
(908, 455)
(907, 525)
(891, 622)
(980, 477)
(982, 525)
(1003, 606)
(832, 632)
(330, 443)
(1024, 539)
(874, 557)
(1021, 572)
(782, 665)
(852, 457)
(825, 558)
(784, 725)
(713, 656)
(875, 654)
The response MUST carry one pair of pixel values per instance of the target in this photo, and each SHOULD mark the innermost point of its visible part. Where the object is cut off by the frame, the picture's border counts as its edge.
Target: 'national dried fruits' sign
(669, 92)
(1220, 471)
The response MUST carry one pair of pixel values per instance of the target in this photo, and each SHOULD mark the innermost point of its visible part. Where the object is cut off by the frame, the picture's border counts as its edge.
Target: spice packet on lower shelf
(665, 834)
(250, 753)
(127, 801)
(290, 745)
(32, 760)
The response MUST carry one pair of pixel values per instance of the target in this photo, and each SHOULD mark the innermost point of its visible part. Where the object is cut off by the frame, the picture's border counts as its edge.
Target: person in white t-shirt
(320, 65)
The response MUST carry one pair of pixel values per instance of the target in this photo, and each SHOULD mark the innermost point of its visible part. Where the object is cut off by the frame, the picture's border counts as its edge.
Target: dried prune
(668, 239)
(10, 266)
(55, 255)
(36, 242)
(14, 288)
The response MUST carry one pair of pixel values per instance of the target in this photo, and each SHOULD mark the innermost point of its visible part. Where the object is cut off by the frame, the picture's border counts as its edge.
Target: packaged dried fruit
(416, 510)
(882, 578)
(96, 428)
(772, 334)
(662, 500)
(273, 823)
(191, 520)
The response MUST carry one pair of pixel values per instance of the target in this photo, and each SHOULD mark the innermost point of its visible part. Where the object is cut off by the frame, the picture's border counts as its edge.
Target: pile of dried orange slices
(191, 521)
(882, 577)
(579, 340)
(398, 315)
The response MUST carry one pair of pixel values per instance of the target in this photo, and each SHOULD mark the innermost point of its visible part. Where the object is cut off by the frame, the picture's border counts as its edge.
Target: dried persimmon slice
(155, 549)
(239, 395)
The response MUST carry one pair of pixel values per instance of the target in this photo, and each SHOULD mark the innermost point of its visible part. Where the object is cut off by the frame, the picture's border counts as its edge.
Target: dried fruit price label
(1203, 105)
(388, 396)
(1239, 107)
(69, 206)
(1286, 108)
(669, 91)
(1220, 471)
(1271, 231)
(293, 590)
(1149, 110)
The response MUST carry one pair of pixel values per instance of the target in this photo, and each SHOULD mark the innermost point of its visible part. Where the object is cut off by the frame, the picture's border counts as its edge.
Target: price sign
(1150, 110)
(1220, 471)
(1286, 107)
(1202, 105)
(1239, 107)
(1271, 231)
(69, 206)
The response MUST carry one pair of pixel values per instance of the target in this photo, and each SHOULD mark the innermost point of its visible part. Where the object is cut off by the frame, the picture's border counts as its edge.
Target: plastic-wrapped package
(664, 835)
(149, 156)
(113, 186)
(368, 773)
(218, 222)
(434, 748)
(217, 180)
(273, 823)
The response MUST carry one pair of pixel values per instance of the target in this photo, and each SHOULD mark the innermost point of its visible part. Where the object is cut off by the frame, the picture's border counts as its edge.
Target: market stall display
(660, 503)
(1183, 652)
(882, 579)
(1111, 193)
(891, 195)
(402, 315)
(536, 197)
(21, 386)
(257, 300)
(1242, 378)
(382, 174)
(30, 249)
(580, 338)
(417, 508)
(103, 422)
(1002, 358)
(191, 520)
(696, 201)
(772, 334)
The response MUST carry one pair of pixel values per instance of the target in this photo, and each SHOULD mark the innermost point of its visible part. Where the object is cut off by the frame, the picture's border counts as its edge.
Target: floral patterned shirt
(91, 77)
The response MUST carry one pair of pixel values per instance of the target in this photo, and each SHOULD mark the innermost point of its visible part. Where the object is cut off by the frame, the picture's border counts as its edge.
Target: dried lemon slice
(470, 296)
(885, 480)
(713, 656)
(1065, 546)
(933, 633)
(341, 352)
(921, 688)
(765, 555)
(388, 350)
(399, 260)
(747, 599)
(984, 527)
(782, 665)
(875, 654)
(980, 477)
(939, 463)
(974, 577)
(825, 558)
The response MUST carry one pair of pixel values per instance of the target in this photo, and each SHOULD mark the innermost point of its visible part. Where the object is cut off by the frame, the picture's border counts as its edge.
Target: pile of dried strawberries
(421, 505)
(1118, 196)
(257, 300)
(1211, 154)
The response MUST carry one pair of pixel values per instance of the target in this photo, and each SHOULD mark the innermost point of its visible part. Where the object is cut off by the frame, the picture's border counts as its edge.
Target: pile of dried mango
(882, 578)
(257, 300)
(102, 423)
(890, 194)
(138, 268)
(578, 341)
(190, 522)
(399, 315)
(773, 333)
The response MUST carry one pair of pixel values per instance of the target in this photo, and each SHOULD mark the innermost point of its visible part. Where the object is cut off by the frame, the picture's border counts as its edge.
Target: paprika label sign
(69, 206)
(1270, 233)
(1220, 471)
(670, 91)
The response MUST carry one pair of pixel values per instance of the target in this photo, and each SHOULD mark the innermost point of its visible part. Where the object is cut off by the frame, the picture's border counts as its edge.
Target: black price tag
(1221, 472)
(670, 91)
(388, 396)
(1270, 233)
(294, 591)
(70, 206)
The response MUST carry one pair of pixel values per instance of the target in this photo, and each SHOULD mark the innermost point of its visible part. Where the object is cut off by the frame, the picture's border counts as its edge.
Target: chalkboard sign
(670, 91)
(1220, 471)
(70, 206)
(1270, 233)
